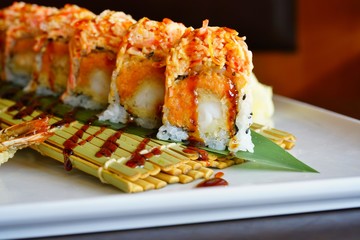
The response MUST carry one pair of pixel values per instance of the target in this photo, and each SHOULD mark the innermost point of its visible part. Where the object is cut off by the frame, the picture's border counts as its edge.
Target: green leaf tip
(269, 153)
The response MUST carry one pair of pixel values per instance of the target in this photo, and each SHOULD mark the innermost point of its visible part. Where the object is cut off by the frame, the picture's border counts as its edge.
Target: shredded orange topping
(153, 37)
(105, 31)
(211, 45)
(22, 19)
(61, 24)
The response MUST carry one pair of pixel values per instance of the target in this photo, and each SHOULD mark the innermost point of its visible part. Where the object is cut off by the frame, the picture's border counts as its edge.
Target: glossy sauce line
(70, 144)
(109, 146)
(137, 159)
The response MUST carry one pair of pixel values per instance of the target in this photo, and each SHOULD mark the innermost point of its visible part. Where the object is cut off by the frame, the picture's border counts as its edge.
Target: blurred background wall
(325, 68)
(307, 50)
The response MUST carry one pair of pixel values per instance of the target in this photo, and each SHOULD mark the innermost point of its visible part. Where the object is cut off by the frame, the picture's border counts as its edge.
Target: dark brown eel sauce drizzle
(109, 146)
(137, 159)
(70, 144)
(217, 180)
(19, 104)
(73, 141)
(203, 155)
(27, 110)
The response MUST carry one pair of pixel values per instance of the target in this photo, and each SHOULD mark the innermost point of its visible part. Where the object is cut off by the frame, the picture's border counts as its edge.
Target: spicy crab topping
(23, 19)
(153, 39)
(61, 24)
(212, 45)
(105, 31)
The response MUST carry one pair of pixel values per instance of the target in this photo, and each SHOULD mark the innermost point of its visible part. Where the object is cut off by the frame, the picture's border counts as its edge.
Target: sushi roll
(51, 69)
(93, 50)
(22, 24)
(207, 95)
(2, 43)
(138, 83)
(7, 16)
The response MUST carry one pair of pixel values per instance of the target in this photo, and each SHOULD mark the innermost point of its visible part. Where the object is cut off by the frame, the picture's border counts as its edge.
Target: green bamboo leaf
(142, 132)
(7, 90)
(268, 153)
(61, 109)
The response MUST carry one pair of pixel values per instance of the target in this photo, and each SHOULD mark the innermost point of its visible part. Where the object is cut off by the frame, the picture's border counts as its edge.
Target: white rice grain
(114, 113)
(170, 132)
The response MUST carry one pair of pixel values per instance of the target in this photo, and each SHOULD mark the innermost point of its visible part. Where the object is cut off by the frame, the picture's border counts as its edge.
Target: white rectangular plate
(39, 198)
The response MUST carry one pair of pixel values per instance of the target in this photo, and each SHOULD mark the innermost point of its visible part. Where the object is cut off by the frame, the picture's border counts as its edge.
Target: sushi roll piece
(51, 69)
(8, 16)
(207, 96)
(93, 50)
(2, 43)
(138, 83)
(22, 24)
